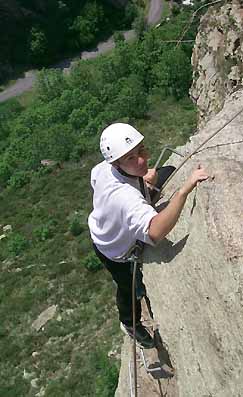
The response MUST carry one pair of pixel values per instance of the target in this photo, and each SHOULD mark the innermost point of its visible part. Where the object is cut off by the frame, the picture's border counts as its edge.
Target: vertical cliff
(217, 57)
(194, 277)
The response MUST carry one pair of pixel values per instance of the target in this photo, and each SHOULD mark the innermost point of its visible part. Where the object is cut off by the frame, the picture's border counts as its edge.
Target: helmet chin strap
(140, 178)
(124, 173)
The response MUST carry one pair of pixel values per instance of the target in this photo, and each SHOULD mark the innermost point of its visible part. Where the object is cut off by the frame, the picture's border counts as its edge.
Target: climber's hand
(151, 177)
(196, 177)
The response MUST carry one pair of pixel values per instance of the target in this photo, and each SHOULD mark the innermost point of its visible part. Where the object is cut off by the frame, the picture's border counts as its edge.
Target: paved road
(106, 45)
(21, 85)
(26, 83)
(155, 12)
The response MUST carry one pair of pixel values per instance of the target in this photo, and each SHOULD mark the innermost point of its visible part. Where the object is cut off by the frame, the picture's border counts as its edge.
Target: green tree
(5, 172)
(132, 99)
(8, 112)
(38, 47)
(50, 84)
(86, 26)
(81, 117)
(173, 73)
(139, 24)
(118, 38)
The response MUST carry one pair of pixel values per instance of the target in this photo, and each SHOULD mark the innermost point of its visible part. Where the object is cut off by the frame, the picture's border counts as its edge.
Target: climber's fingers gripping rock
(198, 175)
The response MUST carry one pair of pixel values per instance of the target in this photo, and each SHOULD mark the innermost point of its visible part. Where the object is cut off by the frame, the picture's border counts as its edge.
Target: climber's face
(135, 162)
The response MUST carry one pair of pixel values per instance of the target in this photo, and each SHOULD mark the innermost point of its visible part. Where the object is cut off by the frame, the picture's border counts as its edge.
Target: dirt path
(26, 83)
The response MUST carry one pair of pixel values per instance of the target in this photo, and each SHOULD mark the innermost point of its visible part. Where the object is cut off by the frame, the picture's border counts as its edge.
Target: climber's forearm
(164, 222)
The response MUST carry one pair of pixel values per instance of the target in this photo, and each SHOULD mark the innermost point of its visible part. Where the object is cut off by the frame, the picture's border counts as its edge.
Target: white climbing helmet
(117, 140)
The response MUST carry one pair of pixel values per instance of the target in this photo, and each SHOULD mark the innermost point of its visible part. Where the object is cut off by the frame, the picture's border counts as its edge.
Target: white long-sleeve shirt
(121, 214)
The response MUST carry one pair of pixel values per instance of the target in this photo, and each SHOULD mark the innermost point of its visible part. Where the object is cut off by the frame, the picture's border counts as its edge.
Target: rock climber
(122, 212)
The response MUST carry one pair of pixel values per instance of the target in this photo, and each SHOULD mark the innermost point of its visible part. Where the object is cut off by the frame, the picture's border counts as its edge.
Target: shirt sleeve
(139, 214)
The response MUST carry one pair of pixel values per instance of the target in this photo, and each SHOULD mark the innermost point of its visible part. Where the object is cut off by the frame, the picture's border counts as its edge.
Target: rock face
(218, 57)
(194, 277)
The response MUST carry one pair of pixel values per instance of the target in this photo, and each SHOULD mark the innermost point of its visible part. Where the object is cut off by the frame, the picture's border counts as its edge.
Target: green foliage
(45, 231)
(91, 262)
(87, 25)
(50, 84)
(9, 110)
(173, 73)
(77, 222)
(6, 171)
(17, 243)
(118, 38)
(66, 117)
(132, 100)
(139, 24)
(131, 12)
(19, 179)
(45, 33)
(75, 227)
(50, 272)
(38, 46)
(175, 9)
(85, 245)
(107, 375)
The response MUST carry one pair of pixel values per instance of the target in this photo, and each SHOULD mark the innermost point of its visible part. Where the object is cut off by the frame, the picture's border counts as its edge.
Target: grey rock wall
(195, 276)
(217, 57)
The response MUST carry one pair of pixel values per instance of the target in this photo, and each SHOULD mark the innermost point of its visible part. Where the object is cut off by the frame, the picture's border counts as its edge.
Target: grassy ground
(49, 271)
(41, 264)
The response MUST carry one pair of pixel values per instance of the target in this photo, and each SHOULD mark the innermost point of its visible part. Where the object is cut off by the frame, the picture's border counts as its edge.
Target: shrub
(91, 262)
(77, 222)
(19, 179)
(75, 227)
(46, 231)
(106, 378)
(17, 244)
(5, 172)
(85, 245)
(118, 38)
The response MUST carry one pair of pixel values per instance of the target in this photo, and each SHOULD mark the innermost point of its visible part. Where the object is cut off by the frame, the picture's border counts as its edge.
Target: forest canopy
(37, 33)
(69, 111)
